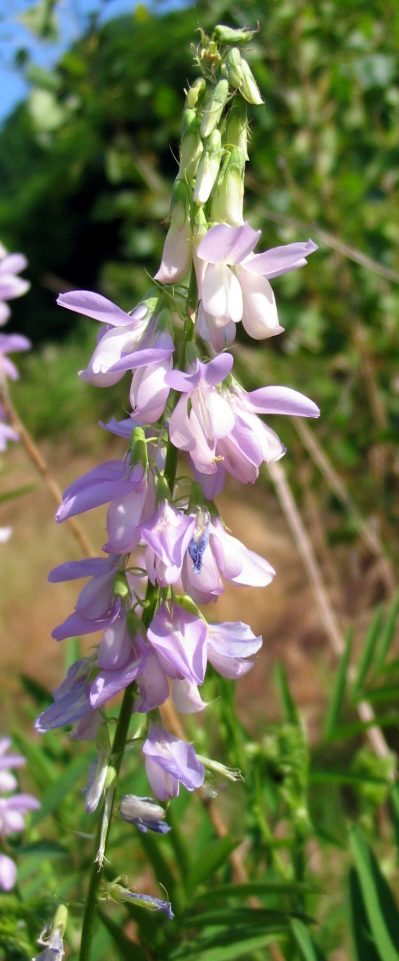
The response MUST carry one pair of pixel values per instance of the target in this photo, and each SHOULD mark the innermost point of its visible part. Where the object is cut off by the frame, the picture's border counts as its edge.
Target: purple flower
(144, 812)
(9, 760)
(8, 870)
(218, 426)
(11, 344)
(179, 639)
(230, 646)
(233, 282)
(149, 390)
(118, 893)
(169, 762)
(167, 535)
(71, 698)
(96, 607)
(11, 286)
(123, 345)
(224, 557)
(53, 946)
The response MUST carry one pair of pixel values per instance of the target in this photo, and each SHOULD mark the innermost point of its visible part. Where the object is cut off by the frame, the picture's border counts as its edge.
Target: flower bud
(236, 133)
(194, 92)
(249, 88)
(228, 196)
(208, 167)
(191, 145)
(138, 448)
(233, 65)
(228, 35)
(176, 257)
(214, 106)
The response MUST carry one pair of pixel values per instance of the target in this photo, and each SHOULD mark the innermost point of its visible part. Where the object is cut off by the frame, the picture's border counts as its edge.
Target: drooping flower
(71, 699)
(144, 812)
(230, 647)
(218, 426)
(97, 605)
(233, 282)
(117, 892)
(123, 345)
(170, 762)
(11, 285)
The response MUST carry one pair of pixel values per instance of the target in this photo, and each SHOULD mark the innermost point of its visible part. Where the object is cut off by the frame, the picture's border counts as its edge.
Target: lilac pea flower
(144, 812)
(167, 535)
(169, 762)
(8, 872)
(116, 645)
(224, 557)
(9, 760)
(13, 810)
(11, 286)
(234, 283)
(179, 639)
(230, 647)
(185, 696)
(155, 685)
(149, 390)
(108, 683)
(118, 893)
(202, 415)
(11, 344)
(210, 329)
(96, 607)
(71, 699)
(53, 946)
(121, 347)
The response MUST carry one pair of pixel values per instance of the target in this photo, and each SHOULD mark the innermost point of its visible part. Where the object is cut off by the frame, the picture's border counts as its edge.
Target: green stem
(126, 711)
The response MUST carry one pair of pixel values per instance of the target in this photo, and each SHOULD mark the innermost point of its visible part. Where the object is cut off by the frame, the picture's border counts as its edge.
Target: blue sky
(72, 16)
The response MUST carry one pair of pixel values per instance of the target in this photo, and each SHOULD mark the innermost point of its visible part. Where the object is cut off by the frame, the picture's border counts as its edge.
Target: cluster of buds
(168, 553)
(14, 805)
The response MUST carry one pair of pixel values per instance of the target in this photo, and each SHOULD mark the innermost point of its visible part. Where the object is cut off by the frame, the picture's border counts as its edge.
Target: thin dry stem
(305, 549)
(42, 468)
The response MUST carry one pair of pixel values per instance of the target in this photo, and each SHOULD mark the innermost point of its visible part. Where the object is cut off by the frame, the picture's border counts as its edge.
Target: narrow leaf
(309, 950)
(367, 652)
(380, 907)
(286, 699)
(364, 947)
(387, 634)
(338, 694)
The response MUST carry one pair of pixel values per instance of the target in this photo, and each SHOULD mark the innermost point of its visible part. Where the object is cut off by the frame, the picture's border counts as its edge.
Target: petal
(186, 696)
(87, 567)
(215, 289)
(281, 260)
(100, 308)
(228, 244)
(282, 400)
(221, 415)
(218, 369)
(259, 317)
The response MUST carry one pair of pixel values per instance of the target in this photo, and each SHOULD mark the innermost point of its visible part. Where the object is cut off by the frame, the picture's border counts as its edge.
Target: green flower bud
(194, 92)
(228, 196)
(249, 88)
(121, 587)
(233, 64)
(138, 448)
(191, 145)
(227, 35)
(214, 106)
(236, 133)
(208, 167)
(185, 601)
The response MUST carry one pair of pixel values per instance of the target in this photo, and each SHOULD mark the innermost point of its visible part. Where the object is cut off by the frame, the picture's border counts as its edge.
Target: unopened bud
(236, 133)
(228, 196)
(176, 257)
(138, 449)
(208, 167)
(214, 106)
(233, 62)
(191, 144)
(194, 92)
(228, 35)
(249, 88)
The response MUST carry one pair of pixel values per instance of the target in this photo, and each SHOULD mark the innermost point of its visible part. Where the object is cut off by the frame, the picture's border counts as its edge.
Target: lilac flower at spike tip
(233, 282)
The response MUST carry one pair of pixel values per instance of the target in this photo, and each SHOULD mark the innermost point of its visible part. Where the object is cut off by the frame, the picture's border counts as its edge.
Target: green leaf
(367, 652)
(213, 857)
(394, 807)
(365, 950)
(344, 777)
(237, 947)
(380, 907)
(309, 950)
(237, 917)
(338, 694)
(387, 634)
(56, 793)
(259, 888)
(127, 949)
(287, 702)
